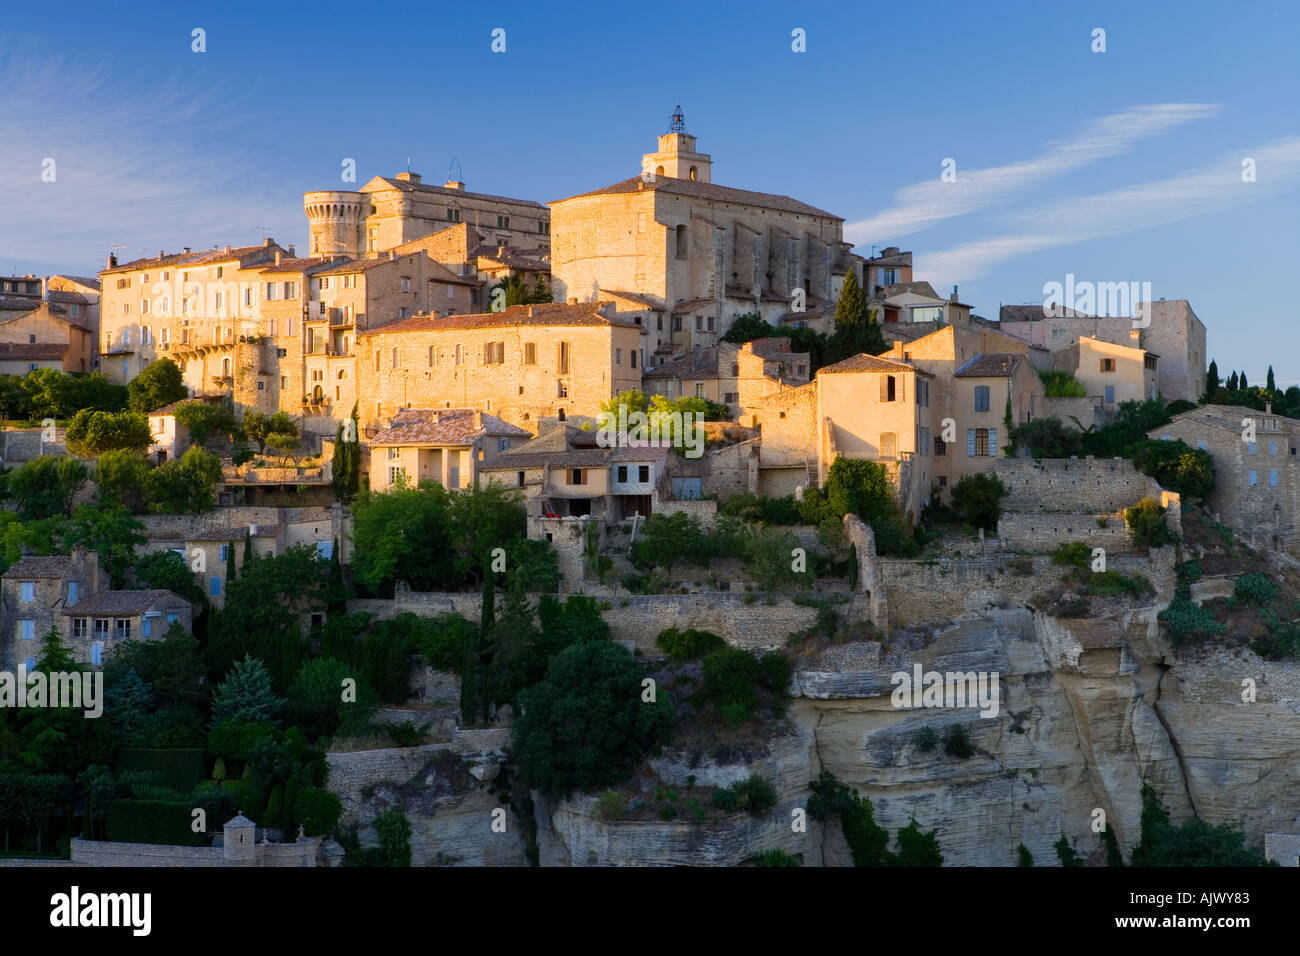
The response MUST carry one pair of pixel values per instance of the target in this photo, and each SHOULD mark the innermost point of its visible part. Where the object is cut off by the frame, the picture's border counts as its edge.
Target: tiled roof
(1229, 417)
(58, 295)
(993, 365)
(443, 426)
(308, 514)
(234, 532)
(192, 258)
(582, 313)
(516, 260)
(122, 602)
(524, 458)
(862, 362)
(773, 345)
(300, 264)
(32, 351)
(699, 364)
(1034, 313)
(709, 191)
(901, 288)
(691, 305)
(406, 186)
(637, 297)
(80, 280)
(19, 303)
(49, 566)
(356, 265)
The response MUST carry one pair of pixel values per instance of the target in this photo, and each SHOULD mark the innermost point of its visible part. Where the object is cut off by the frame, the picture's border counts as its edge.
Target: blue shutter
(970, 443)
(993, 443)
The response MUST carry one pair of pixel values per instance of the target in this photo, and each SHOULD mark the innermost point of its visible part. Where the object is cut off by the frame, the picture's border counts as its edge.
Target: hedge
(153, 821)
(181, 769)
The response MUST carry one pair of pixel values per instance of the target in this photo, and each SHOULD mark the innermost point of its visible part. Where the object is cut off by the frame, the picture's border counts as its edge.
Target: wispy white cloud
(130, 169)
(1213, 187)
(925, 203)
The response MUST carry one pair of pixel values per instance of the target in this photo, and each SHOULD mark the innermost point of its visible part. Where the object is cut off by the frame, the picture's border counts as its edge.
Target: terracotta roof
(19, 303)
(48, 566)
(443, 426)
(515, 260)
(192, 258)
(637, 297)
(708, 191)
(300, 264)
(772, 345)
(234, 532)
(406, 186)
(583, 313)
(525, 457)
(702, 363)
(993, 365)
(122, 602)
(81, 280)
(691, 305)
(862, 362)
(901, 288)
(32, 351)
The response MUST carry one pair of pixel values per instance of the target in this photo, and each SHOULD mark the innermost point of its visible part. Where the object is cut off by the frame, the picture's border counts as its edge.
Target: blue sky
(1115, 166)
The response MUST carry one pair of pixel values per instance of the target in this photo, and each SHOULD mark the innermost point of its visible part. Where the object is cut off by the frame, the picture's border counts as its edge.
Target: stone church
(687, 255)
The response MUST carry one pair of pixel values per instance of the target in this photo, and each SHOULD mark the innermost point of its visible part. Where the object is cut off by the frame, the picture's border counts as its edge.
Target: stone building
(1110, 373)
(389, 211)
(71, 594)
(701, 251)
(193, 307)
(521, 364)
(1172, 331)
(1257, 483)
(737, 376)
(448, 446)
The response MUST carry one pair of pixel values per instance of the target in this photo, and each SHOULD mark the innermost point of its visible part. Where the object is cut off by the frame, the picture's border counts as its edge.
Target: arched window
(694, 172)
(659, 170)
(225, 368)
(317, 393)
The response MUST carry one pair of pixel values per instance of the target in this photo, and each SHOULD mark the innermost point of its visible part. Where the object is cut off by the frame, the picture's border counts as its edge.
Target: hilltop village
(599, 531)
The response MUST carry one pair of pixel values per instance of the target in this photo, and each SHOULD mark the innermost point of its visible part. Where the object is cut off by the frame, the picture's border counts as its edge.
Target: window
(889, 390)
(922, 440)
(79, 628)
(122, 630)
(29, 663)
(218, 301)
(1110, 394)
(530, 353)
(643, 473)
(453, 215)
(173, 618)
(888, 444)
(1254, 479)
(284, 381)
(981, 442)
(261, 385)
(396, 475)
(933, 313)
(1272, 479)
(214, 586)
(494, 353)
(577, 476)
(72, 592)
(699, 389)
(561, 389)
(376, 361)
(325, 549)
(1272, 448)
(219, 271)
(503, 444)
(28, 591)
(406, 283)
(433, 356)
(291, 290)
(940, 447)
(562, 359)
(101, 628)
(503, 222)
(394, 454)
(225, 552)
(622, 474)
(981, 398)
(618, 356)
(922, 393)
(519, 478)
(1201, 444)
(1252, 448)
(1108, 365)
(27, 629)
(633, 358)
(146, 626)
(97, 654)
(682, 242)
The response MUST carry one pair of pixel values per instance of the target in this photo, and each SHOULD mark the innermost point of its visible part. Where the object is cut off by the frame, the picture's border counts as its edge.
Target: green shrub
(1075, 554)
(1146, 520)
(775, 858)
(754, 795)
(978, 499)
(695, 809)
(610, 806)
(688, 645)
(1065, 853)
(1255, 588)
(1111, 582)
(318, 810)
(730, 678)
(1026, 858)
(394, 837)
(957, 742)
(152, 821)
(405, 734)
(927, 740)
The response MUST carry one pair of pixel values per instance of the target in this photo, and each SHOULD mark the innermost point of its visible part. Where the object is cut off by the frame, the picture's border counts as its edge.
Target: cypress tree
(248, 546)
(1243, 386)
(1270, 384)
(1212, 382)
(230, 564)
(1232, 382)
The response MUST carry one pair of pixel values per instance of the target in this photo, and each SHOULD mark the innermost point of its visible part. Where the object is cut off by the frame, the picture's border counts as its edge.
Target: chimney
(292, 254)
(1268, 408)
(92, 571)
(954, 294)
(277, 257)
(187, 250)
(112, 261)
(455, 184)
(161, 253)
(478, 419)
(226, 249)
(266, 242)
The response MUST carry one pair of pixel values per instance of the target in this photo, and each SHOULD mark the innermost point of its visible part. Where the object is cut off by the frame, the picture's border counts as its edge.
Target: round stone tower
(335, 221)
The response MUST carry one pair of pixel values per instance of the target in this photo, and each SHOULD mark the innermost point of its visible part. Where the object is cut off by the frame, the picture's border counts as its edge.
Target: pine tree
(851, 310)
(246, 695)
(55, 657)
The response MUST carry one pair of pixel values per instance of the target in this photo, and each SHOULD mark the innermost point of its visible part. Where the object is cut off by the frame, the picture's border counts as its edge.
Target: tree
(978, 499)
(158, 384)
(245, 696)
(167, 570)
(1146, 520)
(585, 725)
(1058, 383)
(284, 442)
(1269, 384)
(1047, 438)
(173, 667)
(257, 425)
(55, 656)
(1177, 466)
(1242, 383)
(916, 848)
(1195, 843)
(91, 432)
(345, 473)
(1212, 380)
(231, 571)
(204, 419)
(185, 485)
(120, 476)
(851, 309)
(113, 531)
(402, 534)
(1232, 382)
(44, 486)
(53, 394)
(868, 842)
(317, 701)
(860, 487)
(15, 402)
(856, 330)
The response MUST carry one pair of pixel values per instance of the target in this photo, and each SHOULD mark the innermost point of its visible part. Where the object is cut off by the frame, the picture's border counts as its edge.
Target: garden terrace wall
(1047, 531)
(1079, 485)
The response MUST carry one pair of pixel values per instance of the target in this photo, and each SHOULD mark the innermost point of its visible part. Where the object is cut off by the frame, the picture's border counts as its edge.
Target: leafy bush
(610, 806)
(1026, 858)
(927, 739)
(775, 858)
(318, 810)
(978, 499)
(1146, 520)
(1059, 383)
(1065, 853)
(753, 795)
(1075, 554)
(688, 645)
(957, 742)
(1195, 843)
(1255, 588)
(394, 837)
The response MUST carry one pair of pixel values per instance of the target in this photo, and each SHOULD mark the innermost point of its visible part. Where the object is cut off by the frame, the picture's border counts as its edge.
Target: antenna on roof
(408, 164)
(454, 172)
(264, 229)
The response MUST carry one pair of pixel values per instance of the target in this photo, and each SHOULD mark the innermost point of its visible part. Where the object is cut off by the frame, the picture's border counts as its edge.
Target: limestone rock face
(1087, 711)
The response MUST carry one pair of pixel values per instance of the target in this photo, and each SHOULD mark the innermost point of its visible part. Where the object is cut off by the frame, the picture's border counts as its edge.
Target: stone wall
(104, 853)
(1046, 531)
(1093, 485)
(705, 511)
(22, 445)
(1084, 409)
